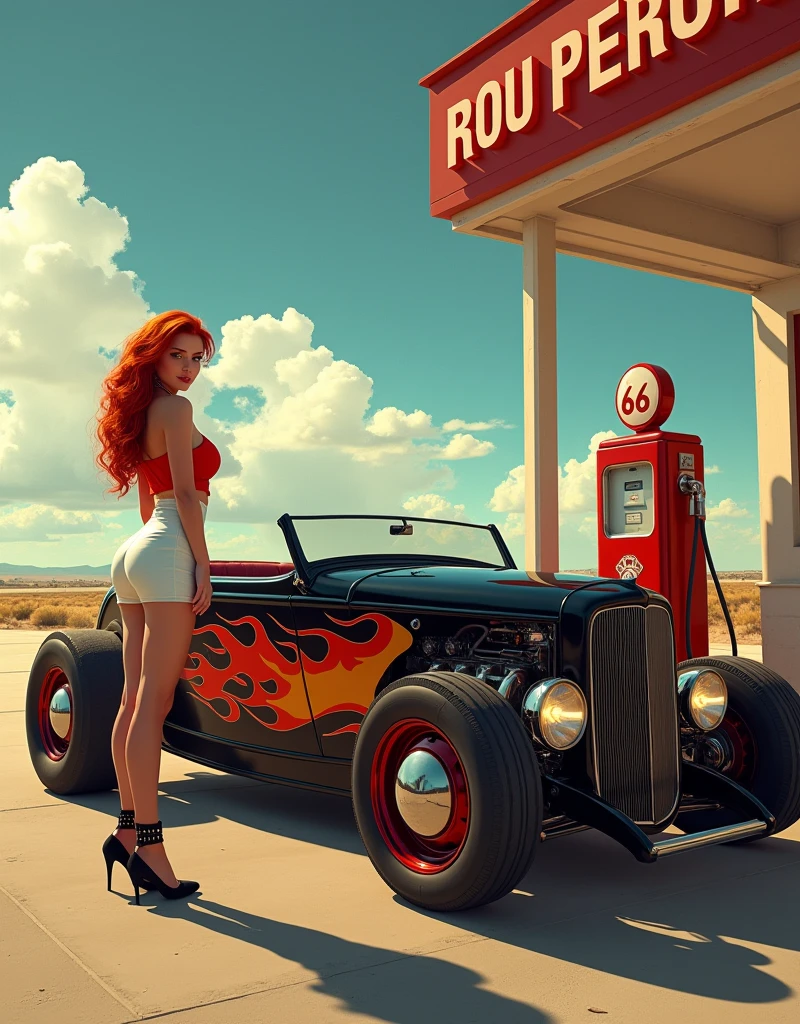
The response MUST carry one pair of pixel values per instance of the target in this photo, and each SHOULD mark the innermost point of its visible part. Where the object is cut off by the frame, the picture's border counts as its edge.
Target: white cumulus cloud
(514, 525)
(464, 446)
(476, 426)
(45, 523)
(306, 438)
(577, 496)
(730, 537)
(64, 300)
(727, 509)
(509, 496)
(392, 422)
(577, 480)
(434, 506)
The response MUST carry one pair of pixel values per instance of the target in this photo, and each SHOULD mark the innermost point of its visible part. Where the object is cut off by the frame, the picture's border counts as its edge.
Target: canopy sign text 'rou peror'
(563, 76)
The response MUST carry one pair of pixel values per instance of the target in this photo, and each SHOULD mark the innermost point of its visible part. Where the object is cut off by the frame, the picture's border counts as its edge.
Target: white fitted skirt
(156, 563)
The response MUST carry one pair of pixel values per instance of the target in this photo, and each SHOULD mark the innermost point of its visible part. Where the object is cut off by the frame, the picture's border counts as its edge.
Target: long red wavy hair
(128, 391)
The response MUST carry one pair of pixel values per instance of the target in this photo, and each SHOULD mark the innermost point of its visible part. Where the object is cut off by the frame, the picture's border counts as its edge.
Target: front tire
(474, 836)
(761, 730)
(74, 693)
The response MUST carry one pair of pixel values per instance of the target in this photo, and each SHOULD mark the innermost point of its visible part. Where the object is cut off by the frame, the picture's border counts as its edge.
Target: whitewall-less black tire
(82, 669)
(492, 792)
(762, 728)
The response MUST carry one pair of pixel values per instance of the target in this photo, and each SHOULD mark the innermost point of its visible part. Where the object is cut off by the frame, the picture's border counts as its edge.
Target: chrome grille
(634, 711)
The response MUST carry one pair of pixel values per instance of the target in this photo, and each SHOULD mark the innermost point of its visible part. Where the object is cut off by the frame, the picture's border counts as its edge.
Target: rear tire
(115, 627)
(762, 726)
(87, 665)
(496, 814)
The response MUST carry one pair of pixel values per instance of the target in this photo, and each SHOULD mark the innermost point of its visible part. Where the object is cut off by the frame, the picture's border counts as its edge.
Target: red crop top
(205, 459)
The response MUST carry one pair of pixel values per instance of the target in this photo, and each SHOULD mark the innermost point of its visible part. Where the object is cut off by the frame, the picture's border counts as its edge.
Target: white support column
(779, 483)
(540, 394)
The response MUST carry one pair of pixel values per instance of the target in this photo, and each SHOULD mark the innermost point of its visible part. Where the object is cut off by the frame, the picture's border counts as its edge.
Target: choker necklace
(158, 383)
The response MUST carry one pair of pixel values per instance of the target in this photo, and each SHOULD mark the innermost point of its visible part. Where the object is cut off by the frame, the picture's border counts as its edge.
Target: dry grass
(744, 604)
(52, 610)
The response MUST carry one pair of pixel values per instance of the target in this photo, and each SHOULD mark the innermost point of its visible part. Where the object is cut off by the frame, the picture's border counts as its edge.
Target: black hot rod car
(471, 709)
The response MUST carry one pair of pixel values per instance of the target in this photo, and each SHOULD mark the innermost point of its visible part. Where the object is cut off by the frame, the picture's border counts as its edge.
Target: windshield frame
(307, 571)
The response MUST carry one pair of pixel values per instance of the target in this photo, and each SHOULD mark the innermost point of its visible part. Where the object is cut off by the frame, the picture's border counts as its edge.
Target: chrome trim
(422, 792)
(676, 713)
(690, 804)
(710, 837)
(60, 712)
(686, 683)
(554, 828)
(250, 579)
(592, 710)
(714, 753)
(531, 707)
(512, 682)
(650, 724)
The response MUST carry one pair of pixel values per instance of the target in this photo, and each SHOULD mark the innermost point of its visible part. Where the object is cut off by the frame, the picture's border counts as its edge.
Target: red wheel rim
(422, 853)
(742, 764)
(55, 746)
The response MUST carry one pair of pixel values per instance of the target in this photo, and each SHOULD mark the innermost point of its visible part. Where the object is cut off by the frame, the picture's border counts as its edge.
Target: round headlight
(704, 698)
(556, 712)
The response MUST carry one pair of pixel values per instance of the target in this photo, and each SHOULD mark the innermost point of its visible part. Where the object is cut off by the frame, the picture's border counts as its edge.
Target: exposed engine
(508, 656)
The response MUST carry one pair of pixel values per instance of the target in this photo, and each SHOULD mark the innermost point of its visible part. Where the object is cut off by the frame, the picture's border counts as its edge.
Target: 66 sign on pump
(646, 529)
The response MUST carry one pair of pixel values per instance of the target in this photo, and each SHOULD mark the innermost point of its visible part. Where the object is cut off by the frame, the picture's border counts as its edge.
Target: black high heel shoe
(114, 848)
(141, 872)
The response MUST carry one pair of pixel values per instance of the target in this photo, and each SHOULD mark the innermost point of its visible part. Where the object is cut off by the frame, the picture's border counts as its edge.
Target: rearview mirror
(405, 530)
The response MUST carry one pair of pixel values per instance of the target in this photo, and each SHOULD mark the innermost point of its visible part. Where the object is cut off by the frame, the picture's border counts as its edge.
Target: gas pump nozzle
(697, 507)
(697, 494)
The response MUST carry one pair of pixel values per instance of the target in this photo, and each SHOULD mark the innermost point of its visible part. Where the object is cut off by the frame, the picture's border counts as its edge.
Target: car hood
(464, 588)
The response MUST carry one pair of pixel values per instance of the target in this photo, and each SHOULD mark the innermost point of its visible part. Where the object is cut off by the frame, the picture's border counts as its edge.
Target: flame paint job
(267, 674)
(269, 677)
(346, 677)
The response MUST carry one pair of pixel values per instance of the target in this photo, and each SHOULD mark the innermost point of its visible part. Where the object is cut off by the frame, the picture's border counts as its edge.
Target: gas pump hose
(700, 528)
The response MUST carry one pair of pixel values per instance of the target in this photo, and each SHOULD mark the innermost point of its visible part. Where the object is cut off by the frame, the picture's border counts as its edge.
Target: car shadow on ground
(390, 986)
(692, 934)
(684, 924)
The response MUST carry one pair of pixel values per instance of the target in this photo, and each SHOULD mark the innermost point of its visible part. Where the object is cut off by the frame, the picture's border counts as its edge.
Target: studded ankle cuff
(147, 835)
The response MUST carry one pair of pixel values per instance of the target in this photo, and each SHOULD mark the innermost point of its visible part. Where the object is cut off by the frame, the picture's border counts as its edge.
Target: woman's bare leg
(132, 638)
(167, 635)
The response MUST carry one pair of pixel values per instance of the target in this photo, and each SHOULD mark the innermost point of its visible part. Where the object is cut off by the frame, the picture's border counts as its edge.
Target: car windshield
(375, 537)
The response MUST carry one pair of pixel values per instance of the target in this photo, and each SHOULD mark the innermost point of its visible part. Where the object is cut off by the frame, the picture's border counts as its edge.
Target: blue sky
(269, 156)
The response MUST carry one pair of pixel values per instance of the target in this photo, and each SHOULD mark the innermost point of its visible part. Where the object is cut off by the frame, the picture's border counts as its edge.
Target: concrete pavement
(292, 924)
(743, 650)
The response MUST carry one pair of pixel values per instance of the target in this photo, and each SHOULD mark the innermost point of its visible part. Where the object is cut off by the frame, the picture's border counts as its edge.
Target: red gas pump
(651, 507)
(651, 519)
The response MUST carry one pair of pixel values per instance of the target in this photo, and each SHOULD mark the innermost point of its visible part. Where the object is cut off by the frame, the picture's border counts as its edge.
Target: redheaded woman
(161, 574)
